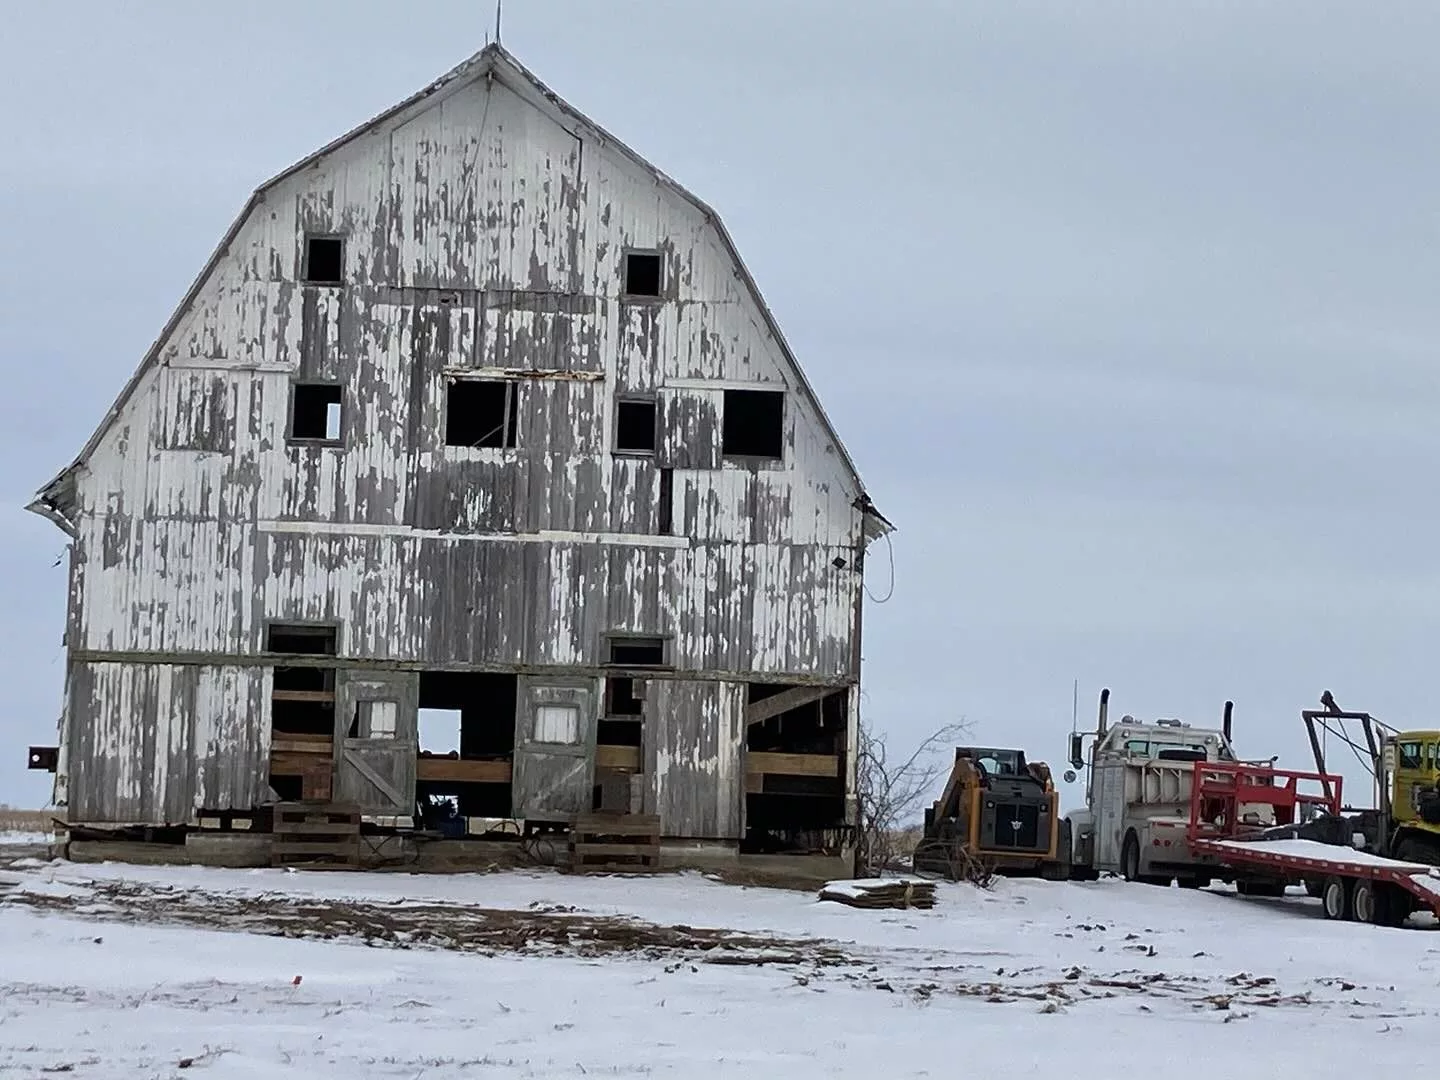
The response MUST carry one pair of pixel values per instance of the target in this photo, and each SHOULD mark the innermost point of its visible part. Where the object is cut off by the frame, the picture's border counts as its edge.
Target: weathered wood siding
(155, 743)
(485, 228)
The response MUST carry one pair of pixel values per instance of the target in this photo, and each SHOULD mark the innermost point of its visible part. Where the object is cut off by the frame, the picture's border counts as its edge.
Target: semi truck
(1139, 777)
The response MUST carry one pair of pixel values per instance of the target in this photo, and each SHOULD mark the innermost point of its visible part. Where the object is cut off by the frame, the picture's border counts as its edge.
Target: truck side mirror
(1077, 751)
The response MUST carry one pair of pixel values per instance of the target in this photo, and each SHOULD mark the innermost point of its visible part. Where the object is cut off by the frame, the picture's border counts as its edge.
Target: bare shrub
(892, 794)
(26, 821)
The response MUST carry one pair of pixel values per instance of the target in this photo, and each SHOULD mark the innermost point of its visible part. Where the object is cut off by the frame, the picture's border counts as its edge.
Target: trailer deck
(1311, 858)
(1354, 884)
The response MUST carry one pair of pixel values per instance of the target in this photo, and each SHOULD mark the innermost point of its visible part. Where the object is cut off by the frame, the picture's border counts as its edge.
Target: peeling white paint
(484, 231)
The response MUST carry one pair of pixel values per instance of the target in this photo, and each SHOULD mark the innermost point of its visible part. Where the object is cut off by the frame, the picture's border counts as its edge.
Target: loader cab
(996, 763)
(1415, 773)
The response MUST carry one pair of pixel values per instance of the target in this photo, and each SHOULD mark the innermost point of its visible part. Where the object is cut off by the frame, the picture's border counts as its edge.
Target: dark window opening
(466, 716)
(315, 412)
(288, 788)
(666, 524)
(637, 652)
(754, 424)
(481, 703)
(612, 732)
(796, 812)
(635, 427)
(642, 273)
(292, 638)
(446, 805)
(482, 412)
(620, 699)
(325, 260)
(309, 717)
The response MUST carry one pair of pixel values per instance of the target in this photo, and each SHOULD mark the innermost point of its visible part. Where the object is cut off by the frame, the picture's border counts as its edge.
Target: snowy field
(114, 971)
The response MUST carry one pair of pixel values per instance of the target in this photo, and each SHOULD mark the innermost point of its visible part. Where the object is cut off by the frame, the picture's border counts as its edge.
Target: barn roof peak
(55, 499)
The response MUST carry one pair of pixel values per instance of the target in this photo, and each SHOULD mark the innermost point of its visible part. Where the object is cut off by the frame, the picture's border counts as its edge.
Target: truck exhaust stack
(1225, 723)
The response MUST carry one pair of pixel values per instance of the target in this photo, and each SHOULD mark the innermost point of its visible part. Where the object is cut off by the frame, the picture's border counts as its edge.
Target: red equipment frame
(1220, 787)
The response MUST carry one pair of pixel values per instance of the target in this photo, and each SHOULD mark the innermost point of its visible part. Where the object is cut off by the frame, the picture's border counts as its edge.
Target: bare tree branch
(893, 796)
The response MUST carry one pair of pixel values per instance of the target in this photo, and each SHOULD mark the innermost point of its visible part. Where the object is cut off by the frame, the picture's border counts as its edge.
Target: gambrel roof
(55, 500)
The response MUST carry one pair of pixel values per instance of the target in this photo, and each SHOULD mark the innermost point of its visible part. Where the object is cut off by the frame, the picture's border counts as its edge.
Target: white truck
(1137, 801)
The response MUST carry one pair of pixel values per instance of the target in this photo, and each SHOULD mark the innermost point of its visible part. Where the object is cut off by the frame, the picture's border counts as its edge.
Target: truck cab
(1137, 798)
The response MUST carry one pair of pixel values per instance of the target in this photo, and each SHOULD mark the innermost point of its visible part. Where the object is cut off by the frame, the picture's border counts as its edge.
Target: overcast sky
(1127, 317)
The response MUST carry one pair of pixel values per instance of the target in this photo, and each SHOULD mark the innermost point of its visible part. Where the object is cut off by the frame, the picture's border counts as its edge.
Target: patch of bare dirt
(814, 963)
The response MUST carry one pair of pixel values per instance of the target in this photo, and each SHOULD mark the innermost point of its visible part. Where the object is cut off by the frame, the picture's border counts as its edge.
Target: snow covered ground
(121, 971)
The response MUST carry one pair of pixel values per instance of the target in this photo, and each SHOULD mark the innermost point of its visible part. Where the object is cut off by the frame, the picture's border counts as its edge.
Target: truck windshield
(1166, 751)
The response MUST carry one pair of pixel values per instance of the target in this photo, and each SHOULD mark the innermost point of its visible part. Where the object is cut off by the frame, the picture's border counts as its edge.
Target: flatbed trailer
(1353, 884)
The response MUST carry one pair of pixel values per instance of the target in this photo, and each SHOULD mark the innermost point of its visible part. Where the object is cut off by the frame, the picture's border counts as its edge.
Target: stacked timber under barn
(472, 488)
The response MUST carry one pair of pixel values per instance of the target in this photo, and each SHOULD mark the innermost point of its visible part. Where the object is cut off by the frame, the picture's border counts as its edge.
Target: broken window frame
(626, 295)
(365, 710)
(299, 386)
(667, 659)
(301, 628)
(306, 259)
(725, 413)
(630, 451)
(509, 425)
(543, 736)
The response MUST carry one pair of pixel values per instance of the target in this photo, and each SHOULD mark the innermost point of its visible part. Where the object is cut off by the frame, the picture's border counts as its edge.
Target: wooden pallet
(316, 836)
(615, 842)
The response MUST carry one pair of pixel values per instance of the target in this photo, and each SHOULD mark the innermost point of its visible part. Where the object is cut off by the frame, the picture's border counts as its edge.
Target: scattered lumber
(907, 892)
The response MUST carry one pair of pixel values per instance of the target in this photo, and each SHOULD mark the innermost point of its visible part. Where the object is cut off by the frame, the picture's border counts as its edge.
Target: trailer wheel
(1314, 887)
(1130, 857)
(1335, 898)
(1365, 902)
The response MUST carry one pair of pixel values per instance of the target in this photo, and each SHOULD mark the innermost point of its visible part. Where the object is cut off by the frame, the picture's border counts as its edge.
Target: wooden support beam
(282, 742)
(298, 763)
(758, 764)
(760, 711)
(458, 771)
(319, 697)
(621, 758)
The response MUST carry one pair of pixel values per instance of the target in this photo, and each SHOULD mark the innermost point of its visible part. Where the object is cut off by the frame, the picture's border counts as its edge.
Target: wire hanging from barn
(890, 548)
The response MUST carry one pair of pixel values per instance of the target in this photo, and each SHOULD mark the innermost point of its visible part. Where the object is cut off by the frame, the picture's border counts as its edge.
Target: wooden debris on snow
(909, 892)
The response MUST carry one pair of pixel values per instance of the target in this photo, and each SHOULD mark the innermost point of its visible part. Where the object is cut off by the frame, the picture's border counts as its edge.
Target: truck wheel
(1335, 898)
(1130, 857)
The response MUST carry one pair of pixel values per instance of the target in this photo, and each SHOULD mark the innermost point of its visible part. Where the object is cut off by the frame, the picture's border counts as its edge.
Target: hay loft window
(482, 412)
(324, 260)
(635, 652)
(316, 412)
(643, 273)
(377, 719)
(300, 638)
(635, 426)
(754, 424)
(557, 724)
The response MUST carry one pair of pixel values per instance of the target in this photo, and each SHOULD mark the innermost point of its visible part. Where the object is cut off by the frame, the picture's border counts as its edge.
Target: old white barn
(476, 419)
